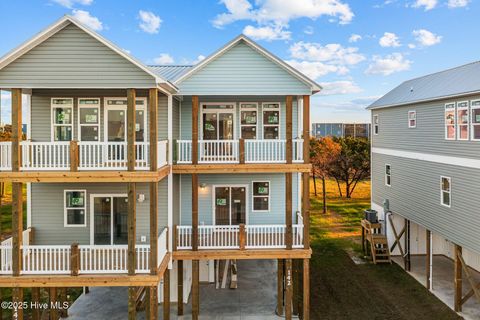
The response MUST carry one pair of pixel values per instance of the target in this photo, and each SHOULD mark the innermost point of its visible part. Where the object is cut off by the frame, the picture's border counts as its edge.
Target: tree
(352, 164)
(324, 154)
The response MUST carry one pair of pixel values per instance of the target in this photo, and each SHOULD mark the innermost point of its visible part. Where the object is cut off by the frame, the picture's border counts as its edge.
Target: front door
(230, 205)
(109, 219)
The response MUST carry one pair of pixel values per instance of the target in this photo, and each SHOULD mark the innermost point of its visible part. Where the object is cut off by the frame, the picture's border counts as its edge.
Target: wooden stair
(379, 249)
(140, 298)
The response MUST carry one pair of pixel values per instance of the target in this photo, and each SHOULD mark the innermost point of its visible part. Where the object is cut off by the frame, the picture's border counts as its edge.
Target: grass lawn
(341, 289)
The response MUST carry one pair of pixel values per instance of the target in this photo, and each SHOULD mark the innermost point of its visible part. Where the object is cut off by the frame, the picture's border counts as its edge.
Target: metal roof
(170, 72)
(460, 80)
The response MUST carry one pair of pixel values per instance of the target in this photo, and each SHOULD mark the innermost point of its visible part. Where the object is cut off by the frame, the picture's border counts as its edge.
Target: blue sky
(358, 50)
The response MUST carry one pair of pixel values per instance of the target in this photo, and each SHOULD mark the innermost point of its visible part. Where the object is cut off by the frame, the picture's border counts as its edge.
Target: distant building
(356, 130)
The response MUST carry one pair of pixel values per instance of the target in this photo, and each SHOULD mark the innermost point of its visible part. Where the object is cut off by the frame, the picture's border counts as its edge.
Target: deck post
(280, 282)
(132, 308)
(458, 279)
(306, 289)
(195, 111)
(17, 298)
(195, 289)
(74, 259)
(131, 113)
(17, 227)
(194, 212)
(166, 295)
(74, 156)
(153, 115)
(428, 260)
(180, 287)
(131, 227)
(152, 302)
(289, 129)
(241, 150)
(296, 287)
(53, 299)
(306, 175)
(63, 298)
(407, 245)
(288, 289)
(153, 227)
(36, 301)
(288, 211)
(16, 129)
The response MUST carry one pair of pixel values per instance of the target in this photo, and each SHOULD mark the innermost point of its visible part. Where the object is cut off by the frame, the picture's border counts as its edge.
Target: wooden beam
(132, 307)
(153, 227)
(306, 129)
(153, 116)
(195, 290)
(458, 279)
(74, 259)
(17, 227)
(289, 129)
(280, 288)
(241, 168)
(288, 289)
(407, 259)
(180, 287)
(306, 209)
(306, 289)
(475, 286)
(428, 260)
(16, 129)
(17, 299)
(131, 227)
(194, 212)
(195, 110)
(296, 287)
(74, 156)
(288, 211)
(166, 295)
(241, 150)
(63, 312)
(36, 301)
(152, 302)
(242, 236)
(131, 124)
(53, 300)
(242, 254)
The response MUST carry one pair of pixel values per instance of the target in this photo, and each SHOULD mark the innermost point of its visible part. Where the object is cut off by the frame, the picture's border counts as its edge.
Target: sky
(358, 50)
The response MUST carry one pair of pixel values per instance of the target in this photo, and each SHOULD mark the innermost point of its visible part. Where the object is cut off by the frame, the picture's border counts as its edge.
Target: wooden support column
(195, 289)
(131, 99)
(194, 212)
(153, 134)
(74, 156)
(153, 227)
(166, 295)
(17, 227)
(306, 289)
(288, 211)
(407, 259)
(63, 312)
(296, 287)
(428, 261)
(458, 279)
(36, 301)
(289, 129)
(131, 227)
(280, 283)
(241, 150)
(306, 176)
(16, 128)
(288, 289)
(53, 300)
(17, 298)
(153, 116)
(180, 287)
(132, 307)
(195, 110)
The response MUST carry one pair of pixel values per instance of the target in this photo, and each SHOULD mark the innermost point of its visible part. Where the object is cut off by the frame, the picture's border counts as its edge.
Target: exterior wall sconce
(140, 197)
(203, 186)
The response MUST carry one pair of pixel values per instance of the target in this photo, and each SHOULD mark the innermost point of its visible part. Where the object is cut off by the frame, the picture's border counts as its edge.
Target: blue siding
(240, 71)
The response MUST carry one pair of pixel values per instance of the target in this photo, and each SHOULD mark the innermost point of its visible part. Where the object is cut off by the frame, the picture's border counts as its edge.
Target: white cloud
(426, 38)
(389, 39)
(150, 23)
(389, 64)
(333, 53)
(339, 87)
(199, 59)
(315, 69)
(87, 19)
(164, 58)
(269, 33)
(354, 38)
(308, 30)
(427, 4)
(70, 3)
(457, 3)
(127, 51)
(411, 46)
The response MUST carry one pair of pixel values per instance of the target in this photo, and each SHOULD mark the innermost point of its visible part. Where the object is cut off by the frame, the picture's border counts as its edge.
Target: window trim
(454, 120)
(143, 108)
(273, 125)
(388, 175)
(415, 119)
(248, 125)
(65, 220)
(80, 125)
(202, 111)
(254, 196)
(472, 124)
(376, 124)
(449, 191)
(468, 120)
(53, 125)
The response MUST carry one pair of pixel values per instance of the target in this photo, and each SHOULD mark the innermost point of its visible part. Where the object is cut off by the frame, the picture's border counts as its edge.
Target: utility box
(371, 215)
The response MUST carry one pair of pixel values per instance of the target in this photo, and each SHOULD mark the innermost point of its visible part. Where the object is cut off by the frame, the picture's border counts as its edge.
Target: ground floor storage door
(109, 219)
(230, 205)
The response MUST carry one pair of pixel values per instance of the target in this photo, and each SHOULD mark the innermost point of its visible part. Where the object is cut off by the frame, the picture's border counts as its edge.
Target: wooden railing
(6, 251)
(238, 237)
(231, 151)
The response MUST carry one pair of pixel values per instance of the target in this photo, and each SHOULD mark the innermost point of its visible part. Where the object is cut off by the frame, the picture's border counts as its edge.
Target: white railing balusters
(6, 155)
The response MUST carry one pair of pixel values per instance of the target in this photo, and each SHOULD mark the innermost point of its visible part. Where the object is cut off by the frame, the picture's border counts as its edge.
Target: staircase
(140, 298)
(378, 242)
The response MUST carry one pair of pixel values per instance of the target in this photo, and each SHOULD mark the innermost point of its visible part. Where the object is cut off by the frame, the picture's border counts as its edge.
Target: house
(116, 199)
(329, 129)
(426, 174)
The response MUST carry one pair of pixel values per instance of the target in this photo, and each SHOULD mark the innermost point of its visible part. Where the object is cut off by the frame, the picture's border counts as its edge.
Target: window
(375, 124)
(261, 196)
(271, 120)
(248, 120)
(62, 119)
(412, 119)
(475, 120)
(74, 210)
(116, 119)
(462, 120)
(388, 175)
(450, 121)
(446, 191)
(88, 119)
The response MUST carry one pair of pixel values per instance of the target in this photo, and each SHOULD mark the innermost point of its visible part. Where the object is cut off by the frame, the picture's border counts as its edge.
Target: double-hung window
(75, 205)
(62, 119)
(375, 124)
(462, 120)
(412, 119)
(388, 175)
(271, 120)
(475, 120)
(446, 191)
(261, 196)
(88, 119)
(450, 128)
(248, 120)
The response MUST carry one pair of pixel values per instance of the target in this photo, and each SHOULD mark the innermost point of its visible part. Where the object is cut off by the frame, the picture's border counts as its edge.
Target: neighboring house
(115, 199)
(355, 130)
(426, 168)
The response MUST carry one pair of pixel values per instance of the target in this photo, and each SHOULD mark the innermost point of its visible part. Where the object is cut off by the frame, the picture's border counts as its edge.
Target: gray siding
(72, 58)
(427, 137)
(241, 71)
(415, 194)
(276, 215)
(48, 210)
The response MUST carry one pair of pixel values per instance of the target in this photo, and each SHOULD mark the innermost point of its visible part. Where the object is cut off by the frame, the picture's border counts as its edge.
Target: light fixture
(140, 197)
(203, 185)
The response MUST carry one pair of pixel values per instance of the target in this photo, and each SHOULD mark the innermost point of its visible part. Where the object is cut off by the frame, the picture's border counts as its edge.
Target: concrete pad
(443, 282)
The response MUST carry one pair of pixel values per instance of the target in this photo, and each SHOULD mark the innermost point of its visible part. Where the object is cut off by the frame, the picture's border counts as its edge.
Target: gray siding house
(154, 177)
(426, 168)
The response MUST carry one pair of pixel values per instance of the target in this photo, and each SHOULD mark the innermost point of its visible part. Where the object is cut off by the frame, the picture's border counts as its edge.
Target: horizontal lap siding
(72, 58)
(276, 215)
(427, 137)
(48, 211)
(242, 70)
(415, 194)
